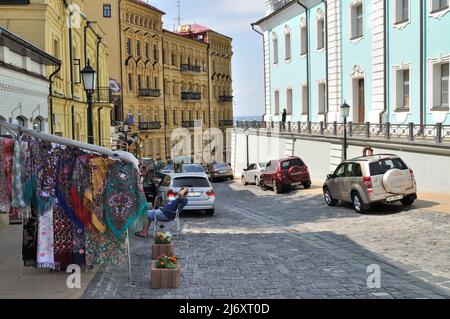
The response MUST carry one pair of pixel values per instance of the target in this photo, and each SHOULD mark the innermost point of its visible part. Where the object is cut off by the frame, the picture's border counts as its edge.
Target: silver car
(201, 193)
(192, 168)
(252, 174)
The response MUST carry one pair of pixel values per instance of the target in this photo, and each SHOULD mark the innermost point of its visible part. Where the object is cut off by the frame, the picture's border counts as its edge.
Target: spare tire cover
(295, 173)
(396, 181)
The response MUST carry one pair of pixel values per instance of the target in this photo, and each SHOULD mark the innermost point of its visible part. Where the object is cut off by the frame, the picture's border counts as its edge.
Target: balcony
(277, 5)
(148, 126)
(190, 68)
(194, 96)
(226, 123)
(225, 99)
(149, 93)
(188, 124)
(103, 95)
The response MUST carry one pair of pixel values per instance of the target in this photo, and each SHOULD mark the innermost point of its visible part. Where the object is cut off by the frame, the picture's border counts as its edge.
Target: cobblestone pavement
(262, 245)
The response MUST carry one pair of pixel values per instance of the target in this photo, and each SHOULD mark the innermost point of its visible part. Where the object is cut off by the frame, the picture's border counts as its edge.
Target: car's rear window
(292, 162)
(382, 166)
(221, 166)
(193, 169)
(190, 182)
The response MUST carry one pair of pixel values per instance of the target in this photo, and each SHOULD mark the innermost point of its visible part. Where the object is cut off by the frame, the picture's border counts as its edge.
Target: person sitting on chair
(166, 213)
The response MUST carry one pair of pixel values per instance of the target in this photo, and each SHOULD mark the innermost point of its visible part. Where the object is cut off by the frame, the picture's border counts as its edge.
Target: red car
(284, 174)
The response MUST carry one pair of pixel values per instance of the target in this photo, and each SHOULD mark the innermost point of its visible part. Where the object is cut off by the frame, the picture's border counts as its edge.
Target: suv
(363, 181)
(285, 173)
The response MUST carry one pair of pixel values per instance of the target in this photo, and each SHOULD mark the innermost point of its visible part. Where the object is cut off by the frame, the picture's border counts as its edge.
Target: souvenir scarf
(20, 154)
(63, 238)
(105, 248)
(125, 200)
(81, 183)
(29, 243)
(45, 170)
(4, 199)
(99, 170)
(45, 241)
(7, 156)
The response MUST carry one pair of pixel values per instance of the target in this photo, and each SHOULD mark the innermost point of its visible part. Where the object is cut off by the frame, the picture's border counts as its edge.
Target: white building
(24, 87)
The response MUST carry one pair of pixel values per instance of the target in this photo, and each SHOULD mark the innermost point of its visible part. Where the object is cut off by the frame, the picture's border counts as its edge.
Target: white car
(252, 174)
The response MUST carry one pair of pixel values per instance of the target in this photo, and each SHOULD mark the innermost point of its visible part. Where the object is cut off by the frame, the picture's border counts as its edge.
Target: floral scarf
(63, 238)
(45, 241)
(29, 244)
(20, 155)
(7, 159)
(105, 248)
(4, 199)
(125, 200)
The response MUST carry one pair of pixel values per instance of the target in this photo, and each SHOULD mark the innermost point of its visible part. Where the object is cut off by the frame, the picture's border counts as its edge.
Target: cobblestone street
(262, 245)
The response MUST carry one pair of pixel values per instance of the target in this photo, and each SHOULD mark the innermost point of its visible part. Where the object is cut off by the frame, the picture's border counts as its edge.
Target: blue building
(389, 59)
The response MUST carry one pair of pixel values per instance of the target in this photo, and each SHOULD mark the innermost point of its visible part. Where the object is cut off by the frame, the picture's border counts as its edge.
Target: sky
(232, 18)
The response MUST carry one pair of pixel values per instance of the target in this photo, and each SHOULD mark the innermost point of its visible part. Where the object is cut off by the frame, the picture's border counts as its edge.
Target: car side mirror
(330, 176)
(245, 170)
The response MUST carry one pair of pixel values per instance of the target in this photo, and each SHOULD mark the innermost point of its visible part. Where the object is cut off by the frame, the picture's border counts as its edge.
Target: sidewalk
(33, 283)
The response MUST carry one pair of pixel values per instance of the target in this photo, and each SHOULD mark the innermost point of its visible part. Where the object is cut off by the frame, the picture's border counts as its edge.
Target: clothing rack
(17, 130)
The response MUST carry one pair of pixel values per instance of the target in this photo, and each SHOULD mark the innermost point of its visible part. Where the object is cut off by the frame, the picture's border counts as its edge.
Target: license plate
(394, 198)
(296, 184)
(194, 194)
(222, 172)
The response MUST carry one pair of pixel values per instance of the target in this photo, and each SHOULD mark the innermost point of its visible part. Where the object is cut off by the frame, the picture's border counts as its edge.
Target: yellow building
(61, 29)
(165, 79)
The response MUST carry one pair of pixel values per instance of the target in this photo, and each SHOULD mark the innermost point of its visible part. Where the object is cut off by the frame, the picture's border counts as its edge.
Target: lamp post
(89, 77)
(126, 127)
(345, 111)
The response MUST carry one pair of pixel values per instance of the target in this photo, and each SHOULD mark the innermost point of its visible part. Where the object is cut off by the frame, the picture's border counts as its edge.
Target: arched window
(3, 131)
(22, 121)
(275, 48)
(38, 124)
(287, 43)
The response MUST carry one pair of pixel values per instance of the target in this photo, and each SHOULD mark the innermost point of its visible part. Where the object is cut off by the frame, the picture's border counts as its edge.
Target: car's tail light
(279, 175)
(413, 177)
(171, 194)
(211, 193)
(368, 182)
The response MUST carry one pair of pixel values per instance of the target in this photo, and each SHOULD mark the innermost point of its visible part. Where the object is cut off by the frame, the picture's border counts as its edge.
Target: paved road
(262, 245)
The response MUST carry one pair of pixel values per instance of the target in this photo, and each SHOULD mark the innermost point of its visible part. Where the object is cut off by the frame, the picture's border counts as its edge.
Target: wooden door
(361, 102)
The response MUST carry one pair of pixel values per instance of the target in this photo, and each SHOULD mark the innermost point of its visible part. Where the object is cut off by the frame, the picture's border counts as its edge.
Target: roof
(195, 28)
(145, 4)
(25, 48)
(373, 158)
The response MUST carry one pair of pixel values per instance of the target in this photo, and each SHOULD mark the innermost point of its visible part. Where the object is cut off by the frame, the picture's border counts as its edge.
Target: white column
(334, 59)
(268, 108)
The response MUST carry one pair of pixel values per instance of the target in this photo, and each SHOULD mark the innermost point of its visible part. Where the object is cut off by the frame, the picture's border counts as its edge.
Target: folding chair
(168, 226)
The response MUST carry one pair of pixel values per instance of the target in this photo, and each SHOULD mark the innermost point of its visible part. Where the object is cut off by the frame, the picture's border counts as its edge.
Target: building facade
(384, 58)
(60, 28)
(24, 87)
(164, 78)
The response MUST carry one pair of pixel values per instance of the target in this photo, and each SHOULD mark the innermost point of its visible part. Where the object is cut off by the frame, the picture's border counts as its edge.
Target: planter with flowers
(163, 245)
(165, 273)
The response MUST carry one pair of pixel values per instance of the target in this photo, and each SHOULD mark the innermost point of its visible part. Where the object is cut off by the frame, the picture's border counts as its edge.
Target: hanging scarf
(81, 183)
(45, 241)
(8, 159)
(98, 171)
(125, 200)
(4, 199)
(29, 243)
(20, 154)
(105, 248)
(63, 238)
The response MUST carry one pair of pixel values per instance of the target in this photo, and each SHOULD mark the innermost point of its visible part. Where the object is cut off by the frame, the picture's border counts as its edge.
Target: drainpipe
(264, 59)
(121, 113)
(164, 97)
(99, 40)
(51, 117)
(385, 62)
(209, 86)
(423, 81)
(327, 101)
(308, 60)
(100, 127)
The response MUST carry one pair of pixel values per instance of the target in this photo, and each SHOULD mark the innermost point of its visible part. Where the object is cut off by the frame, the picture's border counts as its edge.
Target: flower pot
(159, 250)
(165, 278)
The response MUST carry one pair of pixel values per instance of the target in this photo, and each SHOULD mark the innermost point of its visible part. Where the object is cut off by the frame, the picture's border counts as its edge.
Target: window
(441, 85)
(444, 84)
(438, 5)
(403, 90)
(139, 82)
(128, 46)
(174, 116)
(38, 124)
(287, 40)
(289, 101)
(357, 25)
(277, 102)
(275, 50)
(303, 41)
(304, 99)
(166, 117)
(106, 11)
(130, 82)
(147, 49)
(402, 11)
(320, 34)
(156, 82)
(340, 171)
(173, 59)
(138, 48)
(322, 98)
(147, 82)
(155, 52)
(382, 166)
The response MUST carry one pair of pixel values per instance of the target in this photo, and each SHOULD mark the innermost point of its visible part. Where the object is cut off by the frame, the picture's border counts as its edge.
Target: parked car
(220, 170)
(201, 193)
(252, 174)
(192, 168)
(168, 169)
(365, 181)
(284, 174)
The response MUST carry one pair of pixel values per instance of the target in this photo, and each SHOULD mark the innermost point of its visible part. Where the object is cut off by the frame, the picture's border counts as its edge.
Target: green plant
(163, 238)
(167, 262)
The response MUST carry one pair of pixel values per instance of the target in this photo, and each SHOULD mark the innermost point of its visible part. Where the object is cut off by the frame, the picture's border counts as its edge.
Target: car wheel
(358, 204)
(262, 185)
(408, 201)
(307, 185)
(244, 182)
(328, 198)
(257, 181)
(210, 212)
(275, 187)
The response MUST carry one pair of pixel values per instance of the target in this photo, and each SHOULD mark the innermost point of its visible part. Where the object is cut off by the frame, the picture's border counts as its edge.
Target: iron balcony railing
(226, 123)
(147, 126)
(103, 95)
(191, 96)
(149, 93)
(225, 98)
(191, 68)
(411, 132)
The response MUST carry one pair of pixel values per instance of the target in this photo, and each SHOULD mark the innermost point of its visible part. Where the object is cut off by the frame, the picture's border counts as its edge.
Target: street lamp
(345, 111)
(89, 77)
